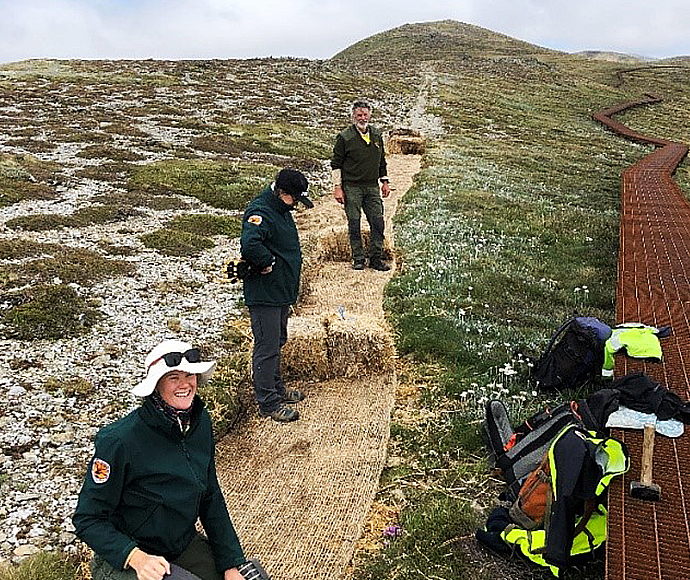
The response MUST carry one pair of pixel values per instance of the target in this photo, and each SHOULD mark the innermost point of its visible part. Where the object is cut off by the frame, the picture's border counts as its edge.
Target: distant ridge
(451, 40)
(614, 56)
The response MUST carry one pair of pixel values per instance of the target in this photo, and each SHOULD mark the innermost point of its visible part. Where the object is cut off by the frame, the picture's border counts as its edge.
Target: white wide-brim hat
(156, 367)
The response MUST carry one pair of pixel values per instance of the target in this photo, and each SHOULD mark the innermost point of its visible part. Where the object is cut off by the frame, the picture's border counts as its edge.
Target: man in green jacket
(359, 164)
(270, 244)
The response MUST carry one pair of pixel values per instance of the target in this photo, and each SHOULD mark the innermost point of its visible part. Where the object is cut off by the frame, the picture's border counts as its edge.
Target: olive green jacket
(361, 163)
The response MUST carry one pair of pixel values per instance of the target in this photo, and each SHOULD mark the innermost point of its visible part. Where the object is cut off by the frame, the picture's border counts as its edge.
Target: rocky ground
(46, 437)
(46, 434)
(57, 110)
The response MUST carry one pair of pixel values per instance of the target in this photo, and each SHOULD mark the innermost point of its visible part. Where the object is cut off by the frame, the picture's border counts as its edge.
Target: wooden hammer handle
(647, 453)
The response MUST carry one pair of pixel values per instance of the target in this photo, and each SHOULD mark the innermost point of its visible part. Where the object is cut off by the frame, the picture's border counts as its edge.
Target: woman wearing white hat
(153, 476)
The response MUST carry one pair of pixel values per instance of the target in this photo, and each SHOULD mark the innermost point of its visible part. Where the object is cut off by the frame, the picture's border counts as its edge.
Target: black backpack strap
(588, 418)
(497, 429)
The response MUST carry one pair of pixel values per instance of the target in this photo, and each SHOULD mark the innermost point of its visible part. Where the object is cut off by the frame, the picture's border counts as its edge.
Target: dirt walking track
(299, 493)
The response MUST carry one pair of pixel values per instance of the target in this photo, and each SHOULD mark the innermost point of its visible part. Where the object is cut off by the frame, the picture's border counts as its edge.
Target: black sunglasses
(173, 359)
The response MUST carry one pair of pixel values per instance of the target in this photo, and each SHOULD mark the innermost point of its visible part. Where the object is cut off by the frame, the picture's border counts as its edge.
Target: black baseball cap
(293, 182)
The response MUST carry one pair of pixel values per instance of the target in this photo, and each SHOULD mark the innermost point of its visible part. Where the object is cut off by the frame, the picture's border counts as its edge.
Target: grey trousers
(195, 563)
(367, 199)
(269, 327)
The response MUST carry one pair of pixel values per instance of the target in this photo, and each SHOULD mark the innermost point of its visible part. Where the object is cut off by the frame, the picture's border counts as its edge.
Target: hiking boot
(293, 396)
(282, 414)
(357, 265)
(379, 265)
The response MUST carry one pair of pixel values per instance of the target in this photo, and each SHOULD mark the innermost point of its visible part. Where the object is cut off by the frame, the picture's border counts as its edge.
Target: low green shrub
(40, 222)
(109, 152)
(176, 242)
(48, 313)
(277, 138)
(91, 215)
(32, 145)
(24, 177)
(18, 249)
(42, 566)
(207, 225)
(142, 199)
(222, 395)
(16, 190)
(109, 171)
(187, 235)
(222, 184)
(67, 265)
(70, 387)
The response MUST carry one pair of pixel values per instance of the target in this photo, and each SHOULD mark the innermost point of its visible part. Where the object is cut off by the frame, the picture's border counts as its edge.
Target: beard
(362, 126)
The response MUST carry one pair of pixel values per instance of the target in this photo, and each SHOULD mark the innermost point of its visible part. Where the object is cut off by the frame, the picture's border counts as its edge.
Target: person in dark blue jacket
(153, 476)
(270, 244)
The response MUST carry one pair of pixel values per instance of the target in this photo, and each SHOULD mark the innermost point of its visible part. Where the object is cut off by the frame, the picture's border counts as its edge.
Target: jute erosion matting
(299, 493)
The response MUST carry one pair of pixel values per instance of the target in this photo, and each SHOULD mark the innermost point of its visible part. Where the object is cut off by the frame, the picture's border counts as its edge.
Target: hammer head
(645, 491)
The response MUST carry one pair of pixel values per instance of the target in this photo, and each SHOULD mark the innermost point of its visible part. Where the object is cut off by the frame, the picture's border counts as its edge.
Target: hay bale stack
(359, 347)
(308, 279)
(305, 353)
(320, 348)
(405, 141)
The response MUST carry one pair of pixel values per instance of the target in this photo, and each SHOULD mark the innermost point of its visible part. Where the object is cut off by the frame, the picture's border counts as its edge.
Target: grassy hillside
(443, 41)
(511, 226)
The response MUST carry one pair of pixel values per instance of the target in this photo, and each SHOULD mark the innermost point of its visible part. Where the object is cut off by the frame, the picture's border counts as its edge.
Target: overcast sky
(318, 29)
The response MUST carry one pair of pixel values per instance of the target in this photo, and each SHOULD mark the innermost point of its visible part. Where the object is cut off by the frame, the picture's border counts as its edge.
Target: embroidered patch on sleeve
(255, 219)
(100, 470)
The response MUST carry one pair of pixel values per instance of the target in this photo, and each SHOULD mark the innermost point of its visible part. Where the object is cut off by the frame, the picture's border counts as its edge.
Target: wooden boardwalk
(647, 540)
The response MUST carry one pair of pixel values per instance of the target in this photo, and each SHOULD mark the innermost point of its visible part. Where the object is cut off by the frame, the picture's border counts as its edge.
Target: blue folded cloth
(625, 418)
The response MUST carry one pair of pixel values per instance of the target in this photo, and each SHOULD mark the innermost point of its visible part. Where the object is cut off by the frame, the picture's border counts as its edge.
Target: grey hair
(361, 104)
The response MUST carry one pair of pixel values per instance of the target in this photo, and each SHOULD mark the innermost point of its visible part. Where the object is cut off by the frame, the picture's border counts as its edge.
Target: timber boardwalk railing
(651, 540)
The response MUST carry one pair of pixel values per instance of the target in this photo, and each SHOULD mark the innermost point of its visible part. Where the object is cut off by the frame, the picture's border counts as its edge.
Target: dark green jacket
(269, 237)
(154, 484)
(360, 163)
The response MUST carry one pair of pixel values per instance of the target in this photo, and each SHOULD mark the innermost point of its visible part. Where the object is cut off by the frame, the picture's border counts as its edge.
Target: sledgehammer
(645, 489)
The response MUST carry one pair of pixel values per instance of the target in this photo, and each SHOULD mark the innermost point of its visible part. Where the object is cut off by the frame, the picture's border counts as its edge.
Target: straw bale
(359, 346)
(334, 244)
(405, 141)
(406, 144)
(305, 353)
(309, 278)
(340, 291)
